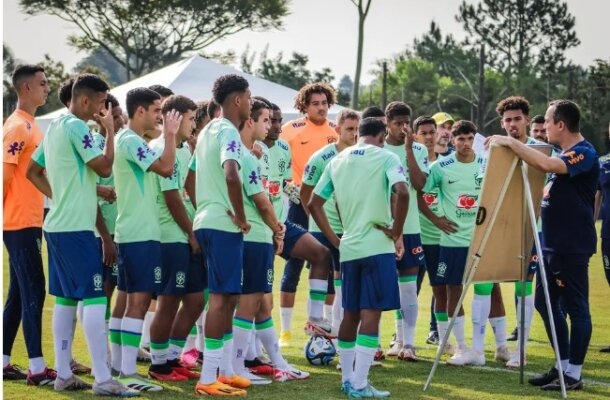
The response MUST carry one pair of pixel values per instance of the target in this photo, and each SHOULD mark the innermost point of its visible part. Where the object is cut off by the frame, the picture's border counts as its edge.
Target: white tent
(194, 77)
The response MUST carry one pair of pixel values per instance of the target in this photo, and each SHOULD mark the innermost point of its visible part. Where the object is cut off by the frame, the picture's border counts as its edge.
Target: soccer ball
(319, 350)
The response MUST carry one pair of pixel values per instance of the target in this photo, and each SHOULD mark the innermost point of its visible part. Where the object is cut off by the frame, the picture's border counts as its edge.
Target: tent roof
(194, 77)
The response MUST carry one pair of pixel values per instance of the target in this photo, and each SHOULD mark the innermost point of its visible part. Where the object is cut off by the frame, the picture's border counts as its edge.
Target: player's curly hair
(396, 109)
(303, 98)
(463, 127)
(227, 84)
(513, 103)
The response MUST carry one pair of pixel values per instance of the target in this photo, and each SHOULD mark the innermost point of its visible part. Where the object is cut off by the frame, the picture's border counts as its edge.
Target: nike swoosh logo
(296, 373)
(305, 142)
(450, 181)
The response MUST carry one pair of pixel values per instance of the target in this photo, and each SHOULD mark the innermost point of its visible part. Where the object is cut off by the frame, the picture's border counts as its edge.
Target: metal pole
(545, 285)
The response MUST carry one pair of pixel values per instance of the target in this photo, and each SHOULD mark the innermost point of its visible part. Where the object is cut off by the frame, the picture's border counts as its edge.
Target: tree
(9, 95)
(55, 72)
(363, 11)
(344, 90)
(143, 35)
(104, 64)
(521, 34)
(293, 73)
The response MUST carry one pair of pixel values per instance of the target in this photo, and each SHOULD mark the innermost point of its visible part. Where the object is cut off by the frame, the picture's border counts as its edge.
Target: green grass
(404, 380)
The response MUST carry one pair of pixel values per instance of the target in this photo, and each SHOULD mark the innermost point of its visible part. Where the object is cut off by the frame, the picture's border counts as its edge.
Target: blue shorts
(414, 252)
(432, 252)
(334, 252)
(110, 274)
(292, 236)
(370, 283)
(258, 268)
(140, 268)
(224, 256)
(182, 271)
(451, 265)
(75, 265)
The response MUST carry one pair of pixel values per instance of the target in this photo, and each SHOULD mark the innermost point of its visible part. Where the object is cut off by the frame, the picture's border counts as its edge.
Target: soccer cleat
(394, 349)
(571, 384)
(70, 384)
(339, 366)
(143, 355)
(433, 338)
(285, 338)
(605, 349)
(366, 393)
(462, 357)
(113, 388)
(13, 373)
(258, 367)
(320, 326)
(477, 358)
(46, 377)
(78, 368)
(254, 379)
(514, 335)
(189, 358)
(114, 373)
(544, 379)
(180, 369)
(502, 354)
(514, 361)
(346, 387)
(289, 374)
(200, 358)
(379, 354)
(235, 381)
(218, 389)
(407, 353)
(376, 364)
(171, 376)
(139, 383)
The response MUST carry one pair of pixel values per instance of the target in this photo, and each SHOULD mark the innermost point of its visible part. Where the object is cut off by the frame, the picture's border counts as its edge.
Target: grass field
(404, 380)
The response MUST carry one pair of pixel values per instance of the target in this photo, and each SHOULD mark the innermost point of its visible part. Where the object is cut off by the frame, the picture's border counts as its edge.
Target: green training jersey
(252, 184)
(430, 234)
(170, 230)
(459, 185)
(64, 152)
(136, 189)
(421, 156)
(109, 210)
(279, 171)
(184, 154)
(217, 143)
(311, 175)
(361, 178)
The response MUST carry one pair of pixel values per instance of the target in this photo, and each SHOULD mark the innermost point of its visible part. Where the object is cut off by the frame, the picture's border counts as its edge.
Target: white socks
(94, 324)
(409, 308)
(286, 318)
(499, 326)
(481, 304)
(63, 320)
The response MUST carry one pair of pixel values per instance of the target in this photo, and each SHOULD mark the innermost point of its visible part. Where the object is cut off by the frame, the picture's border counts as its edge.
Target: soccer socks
(328, 311)
(573, 371)
(337, 305)
(317, 297)
(458, 332)
(347, 353)
(212, 353)
(268, 336)
(200, 331)
(94, 324)
(36, 365)
(399, 325)
(176, 346)
(286, 318)
(529, 312)
(408, 305)
(442, 323)
(366, 346)
(64, 314)
(159, 352)
(145, 339)
(481, 304)
(242, 336)
(498, 325)
(226, 363)
(191, 339)
(131, 334)
(114, 331)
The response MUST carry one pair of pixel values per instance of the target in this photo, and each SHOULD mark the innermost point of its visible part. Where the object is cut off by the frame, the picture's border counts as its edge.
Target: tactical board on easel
(503, 236)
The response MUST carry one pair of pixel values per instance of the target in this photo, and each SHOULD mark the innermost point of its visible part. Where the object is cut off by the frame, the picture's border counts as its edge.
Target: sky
(324, 30)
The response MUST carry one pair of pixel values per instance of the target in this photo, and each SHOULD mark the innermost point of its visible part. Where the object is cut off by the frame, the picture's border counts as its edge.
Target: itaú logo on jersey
(430, 199)
(467, 201)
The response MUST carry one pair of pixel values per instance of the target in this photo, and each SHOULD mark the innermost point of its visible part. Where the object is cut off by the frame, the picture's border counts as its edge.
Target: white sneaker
(394, 349)
(502, 354)
(463, 356)
(255, 379)
(143, 355)
(320, 326)
(289, 374)
(407, 353)
(113, 388)
(514, 361)
(477, 358)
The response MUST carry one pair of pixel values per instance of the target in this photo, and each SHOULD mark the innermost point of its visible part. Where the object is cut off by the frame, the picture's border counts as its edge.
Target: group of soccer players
(188, 199)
